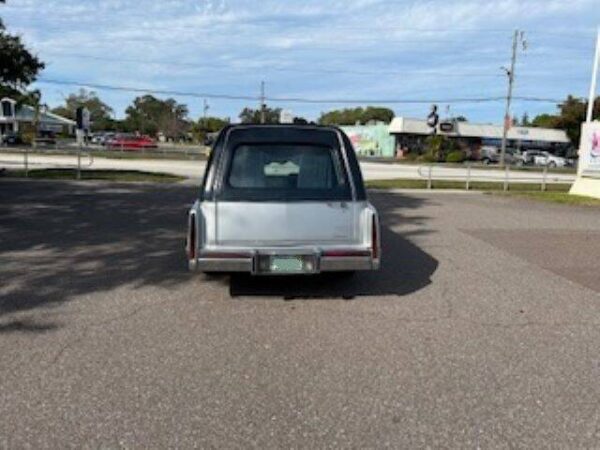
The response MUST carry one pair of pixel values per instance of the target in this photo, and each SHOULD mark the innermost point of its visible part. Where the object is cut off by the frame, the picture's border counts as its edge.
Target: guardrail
(505, 176)
(162, 150)
(26, 164)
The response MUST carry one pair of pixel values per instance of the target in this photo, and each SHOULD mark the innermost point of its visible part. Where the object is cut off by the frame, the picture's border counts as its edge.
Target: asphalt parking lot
(481, 329)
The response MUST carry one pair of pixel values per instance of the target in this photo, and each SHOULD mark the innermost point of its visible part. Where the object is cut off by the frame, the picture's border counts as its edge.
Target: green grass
(475, 185)
(563, 198)
(109, 175)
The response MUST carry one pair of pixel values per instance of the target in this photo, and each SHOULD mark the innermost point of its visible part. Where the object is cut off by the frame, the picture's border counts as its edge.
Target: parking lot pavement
(480, 330)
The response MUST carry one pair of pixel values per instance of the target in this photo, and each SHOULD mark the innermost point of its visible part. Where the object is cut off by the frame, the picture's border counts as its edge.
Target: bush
(438, 146)
(428, 158)
(27, 137)
(456, 156)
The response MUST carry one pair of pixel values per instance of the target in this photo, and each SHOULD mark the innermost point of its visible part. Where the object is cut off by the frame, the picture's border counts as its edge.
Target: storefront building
(410, 135)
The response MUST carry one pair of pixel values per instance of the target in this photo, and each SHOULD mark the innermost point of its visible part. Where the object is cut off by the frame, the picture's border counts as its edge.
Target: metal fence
(469, 174)
(21, 159)
(63, 155)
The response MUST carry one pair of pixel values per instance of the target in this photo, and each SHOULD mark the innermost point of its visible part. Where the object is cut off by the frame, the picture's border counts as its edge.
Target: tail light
(374, 238)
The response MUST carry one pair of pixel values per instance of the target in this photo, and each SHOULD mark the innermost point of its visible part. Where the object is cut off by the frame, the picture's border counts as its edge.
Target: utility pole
(518, 36)
(205, 110)
(262, 102)
(590, 108)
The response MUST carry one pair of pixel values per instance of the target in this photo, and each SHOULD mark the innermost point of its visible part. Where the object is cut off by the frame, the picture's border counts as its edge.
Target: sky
(329, 53)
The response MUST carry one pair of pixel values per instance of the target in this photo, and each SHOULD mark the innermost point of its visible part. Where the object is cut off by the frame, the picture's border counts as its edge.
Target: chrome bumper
(249, 264)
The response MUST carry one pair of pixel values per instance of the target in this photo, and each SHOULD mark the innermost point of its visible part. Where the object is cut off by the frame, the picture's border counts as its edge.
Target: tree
(211, 124)
(150, 115)
(352, 116)
(461, 119)
(100, 112)
(571, 115)
(250, 115)
(18, 66)
(525, 120)
(545, 121)
(300, 121)
(208, 125)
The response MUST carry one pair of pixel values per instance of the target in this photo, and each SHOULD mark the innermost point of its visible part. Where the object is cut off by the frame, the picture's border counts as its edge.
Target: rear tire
(486, 161)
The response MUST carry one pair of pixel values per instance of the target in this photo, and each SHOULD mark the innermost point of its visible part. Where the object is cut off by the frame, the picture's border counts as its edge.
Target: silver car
(282, 200)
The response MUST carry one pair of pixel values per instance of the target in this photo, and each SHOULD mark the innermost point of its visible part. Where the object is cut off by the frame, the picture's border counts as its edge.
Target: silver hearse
(282, 200)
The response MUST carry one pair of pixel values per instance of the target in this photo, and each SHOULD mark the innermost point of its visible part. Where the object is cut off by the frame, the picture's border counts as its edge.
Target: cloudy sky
(324, 50)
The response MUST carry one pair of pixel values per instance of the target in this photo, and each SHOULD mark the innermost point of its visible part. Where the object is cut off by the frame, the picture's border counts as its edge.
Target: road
(195, 169)
(481, 330)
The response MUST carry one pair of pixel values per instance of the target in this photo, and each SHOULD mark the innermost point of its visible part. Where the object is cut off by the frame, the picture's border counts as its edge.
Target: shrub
(428, 158)
(456, 156)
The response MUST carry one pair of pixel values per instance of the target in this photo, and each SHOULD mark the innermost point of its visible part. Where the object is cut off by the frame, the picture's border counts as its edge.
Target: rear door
(285, 194)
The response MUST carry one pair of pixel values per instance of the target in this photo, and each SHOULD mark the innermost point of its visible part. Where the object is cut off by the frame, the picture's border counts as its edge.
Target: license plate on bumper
(286, 264)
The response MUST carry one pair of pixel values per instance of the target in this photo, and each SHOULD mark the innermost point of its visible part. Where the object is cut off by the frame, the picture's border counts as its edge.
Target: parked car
(11, 138)
(130, 142)
(99, 138)
(543, 158)
(282, 199)
(491, 155)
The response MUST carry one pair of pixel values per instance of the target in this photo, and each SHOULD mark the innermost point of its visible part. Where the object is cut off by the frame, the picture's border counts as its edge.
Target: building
(20, 119)
(371, 140)
(410, 135)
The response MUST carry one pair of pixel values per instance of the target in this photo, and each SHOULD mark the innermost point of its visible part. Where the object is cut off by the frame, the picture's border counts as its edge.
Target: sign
(286, 116)
(433, 118)
(589, 149)
(588, 173)
(83, 118)
(447, 127)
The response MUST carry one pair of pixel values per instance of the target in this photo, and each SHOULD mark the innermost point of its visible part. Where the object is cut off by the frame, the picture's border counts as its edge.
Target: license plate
(286, 264)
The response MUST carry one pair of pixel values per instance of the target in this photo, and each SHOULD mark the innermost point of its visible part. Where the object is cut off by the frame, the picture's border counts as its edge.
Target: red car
(130, 142)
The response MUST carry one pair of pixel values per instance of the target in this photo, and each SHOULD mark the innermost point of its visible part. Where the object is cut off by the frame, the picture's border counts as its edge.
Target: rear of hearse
(282, 200)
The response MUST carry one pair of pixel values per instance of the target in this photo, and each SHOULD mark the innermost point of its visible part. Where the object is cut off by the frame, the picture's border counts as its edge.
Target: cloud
(313, 48)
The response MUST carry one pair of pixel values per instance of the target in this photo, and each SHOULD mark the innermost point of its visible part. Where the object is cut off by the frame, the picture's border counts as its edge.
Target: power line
(291, 99)
(337, 71)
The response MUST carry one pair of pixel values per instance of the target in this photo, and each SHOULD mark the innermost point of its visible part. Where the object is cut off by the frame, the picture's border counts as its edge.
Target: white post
(592, 96)
(468, 176)
(429, 177)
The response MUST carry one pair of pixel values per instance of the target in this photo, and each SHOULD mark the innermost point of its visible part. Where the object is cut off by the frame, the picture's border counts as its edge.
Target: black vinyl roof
(329, 136)
(300, 134)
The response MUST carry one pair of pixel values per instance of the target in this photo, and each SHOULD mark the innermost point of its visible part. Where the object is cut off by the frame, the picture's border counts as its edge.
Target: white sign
(589, 149)
(286, 116)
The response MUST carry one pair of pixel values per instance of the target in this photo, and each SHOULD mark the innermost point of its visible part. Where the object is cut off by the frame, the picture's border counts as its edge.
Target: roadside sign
(433, 118)
(83, 118)
(447, 127)
(286, 116)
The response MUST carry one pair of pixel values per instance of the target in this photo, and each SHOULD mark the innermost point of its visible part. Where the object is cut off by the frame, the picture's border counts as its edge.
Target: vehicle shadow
(60, 241)
(405, 268)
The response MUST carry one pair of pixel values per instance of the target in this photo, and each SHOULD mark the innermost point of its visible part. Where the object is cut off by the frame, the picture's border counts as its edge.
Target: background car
(491, 155)
(130, 142)
(548, 159)
(11, 138)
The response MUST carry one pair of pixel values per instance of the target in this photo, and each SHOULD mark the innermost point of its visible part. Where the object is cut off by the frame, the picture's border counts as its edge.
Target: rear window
(286, 172)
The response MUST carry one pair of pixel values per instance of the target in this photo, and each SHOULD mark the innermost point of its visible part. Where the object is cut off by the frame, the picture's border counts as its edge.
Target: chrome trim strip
(248, 265)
